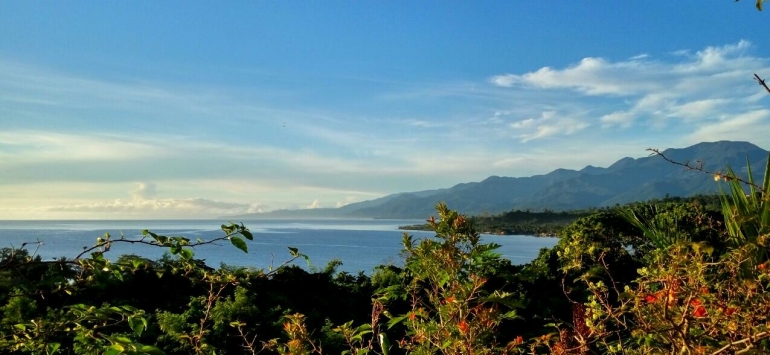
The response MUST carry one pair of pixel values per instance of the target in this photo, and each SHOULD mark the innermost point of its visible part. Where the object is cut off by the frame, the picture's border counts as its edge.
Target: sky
(178, 109)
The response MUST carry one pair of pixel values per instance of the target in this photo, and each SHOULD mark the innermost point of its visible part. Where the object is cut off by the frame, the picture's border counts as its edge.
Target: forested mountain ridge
(627, 180)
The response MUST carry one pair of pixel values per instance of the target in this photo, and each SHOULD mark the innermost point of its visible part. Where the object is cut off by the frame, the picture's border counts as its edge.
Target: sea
(360, 244)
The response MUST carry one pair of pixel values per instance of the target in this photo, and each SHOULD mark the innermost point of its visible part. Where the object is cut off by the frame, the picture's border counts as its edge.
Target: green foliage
(50, 310)
(450, 311)
(747, 215)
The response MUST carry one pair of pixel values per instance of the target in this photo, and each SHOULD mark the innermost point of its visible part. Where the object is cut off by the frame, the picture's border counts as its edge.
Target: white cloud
(315, 204)
(143, 204)
(144, 190)
(162, 208)
(26, 146)
(698, 109)
(256, 208)
(525, 123)
(750, 126)
(689, 92)
(618, 118)
(638, 75)
(718, 59)
(592, 76)
(547, 125)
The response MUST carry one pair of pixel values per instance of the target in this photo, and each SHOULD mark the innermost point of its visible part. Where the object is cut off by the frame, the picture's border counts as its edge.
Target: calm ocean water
(360, 244)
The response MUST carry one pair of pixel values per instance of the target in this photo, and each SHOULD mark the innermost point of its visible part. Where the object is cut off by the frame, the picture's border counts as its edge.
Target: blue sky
(176, 109)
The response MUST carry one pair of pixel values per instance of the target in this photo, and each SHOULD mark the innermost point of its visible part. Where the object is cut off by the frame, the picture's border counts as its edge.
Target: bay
(361, 244)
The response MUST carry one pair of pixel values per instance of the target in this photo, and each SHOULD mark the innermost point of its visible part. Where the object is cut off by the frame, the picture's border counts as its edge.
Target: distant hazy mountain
(627, 180)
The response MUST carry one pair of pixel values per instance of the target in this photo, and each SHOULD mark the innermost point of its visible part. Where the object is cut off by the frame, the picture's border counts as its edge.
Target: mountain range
(627, 180)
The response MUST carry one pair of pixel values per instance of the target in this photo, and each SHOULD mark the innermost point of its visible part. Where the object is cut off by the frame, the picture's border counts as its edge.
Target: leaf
(122, 340)
(186, 254)
(137, 325)
(115, 349)
(148, 349)
(759, 4)
(239, 243)
(229, 228)
(245, 232)
(53, 348)
(293, 251)
(393, 321)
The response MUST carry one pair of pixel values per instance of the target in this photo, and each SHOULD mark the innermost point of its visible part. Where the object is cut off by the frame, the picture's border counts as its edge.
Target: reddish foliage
(700, 312)
(463, 326)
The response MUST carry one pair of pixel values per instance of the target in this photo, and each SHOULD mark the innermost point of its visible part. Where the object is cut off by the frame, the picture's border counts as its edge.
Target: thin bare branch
(699, 167)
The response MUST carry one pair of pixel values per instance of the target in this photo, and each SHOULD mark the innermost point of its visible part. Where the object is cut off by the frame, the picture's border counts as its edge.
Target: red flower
(695, 302)
(463, 326)
(651, 298)
(519, 340)
(729, 311)
(700, 312)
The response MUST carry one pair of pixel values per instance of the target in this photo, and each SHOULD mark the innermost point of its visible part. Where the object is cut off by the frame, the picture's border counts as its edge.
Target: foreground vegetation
(674, 277)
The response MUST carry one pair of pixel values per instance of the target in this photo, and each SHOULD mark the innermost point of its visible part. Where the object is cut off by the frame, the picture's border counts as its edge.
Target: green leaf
(148, 349)
(228, 228)
(239, 243)
(393, 321)
(137, 325)
(186, 254)
(122, 340)
(115, 349)
(53, 348)
(247, 234)
(293, 251)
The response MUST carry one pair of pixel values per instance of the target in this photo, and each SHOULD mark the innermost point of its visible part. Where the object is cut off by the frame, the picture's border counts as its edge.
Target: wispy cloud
(145, 202)
(750, 126)
(689, 91)
(31, 146)
(639, 75)
(163, 208)
(547, 125)
(315, 204)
